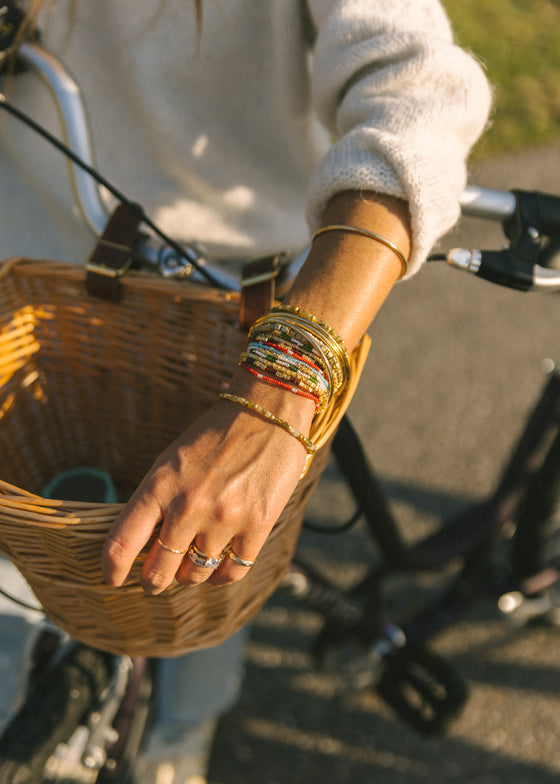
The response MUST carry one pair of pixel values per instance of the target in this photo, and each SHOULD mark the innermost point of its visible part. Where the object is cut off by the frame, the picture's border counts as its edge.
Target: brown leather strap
(258, 286)
(112, 254)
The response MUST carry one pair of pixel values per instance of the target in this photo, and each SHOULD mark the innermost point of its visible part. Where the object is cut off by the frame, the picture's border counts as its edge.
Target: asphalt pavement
(455, 365)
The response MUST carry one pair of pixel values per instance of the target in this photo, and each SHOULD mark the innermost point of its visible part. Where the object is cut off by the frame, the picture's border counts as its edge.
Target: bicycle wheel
(55, 707)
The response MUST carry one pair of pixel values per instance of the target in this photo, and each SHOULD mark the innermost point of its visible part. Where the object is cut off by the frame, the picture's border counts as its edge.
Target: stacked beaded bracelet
(289, 338)
(298, 351)
(330, 342)
(286, 367)
(295, 349)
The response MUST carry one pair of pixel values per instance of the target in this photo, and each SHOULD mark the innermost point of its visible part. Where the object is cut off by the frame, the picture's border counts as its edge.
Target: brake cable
(135, 208)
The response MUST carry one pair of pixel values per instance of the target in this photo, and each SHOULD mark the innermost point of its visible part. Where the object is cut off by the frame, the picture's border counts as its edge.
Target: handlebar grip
(502, 268)
(549, 214)
(536, 215)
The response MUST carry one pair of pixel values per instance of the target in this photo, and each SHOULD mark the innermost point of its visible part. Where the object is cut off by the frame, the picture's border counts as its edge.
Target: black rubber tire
(51, 713)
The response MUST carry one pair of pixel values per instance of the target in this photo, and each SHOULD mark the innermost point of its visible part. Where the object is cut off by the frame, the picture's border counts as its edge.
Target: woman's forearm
(344, 281)
(347, 276)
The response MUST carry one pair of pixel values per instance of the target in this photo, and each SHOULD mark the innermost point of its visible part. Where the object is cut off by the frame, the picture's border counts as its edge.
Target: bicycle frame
(359, 642)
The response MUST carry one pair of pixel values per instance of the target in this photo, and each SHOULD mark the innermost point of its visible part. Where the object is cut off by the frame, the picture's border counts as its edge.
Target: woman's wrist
(298, 411)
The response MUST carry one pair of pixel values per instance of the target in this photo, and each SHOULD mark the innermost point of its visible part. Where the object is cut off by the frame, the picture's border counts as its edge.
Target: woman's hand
(229, 476)
(225, 480)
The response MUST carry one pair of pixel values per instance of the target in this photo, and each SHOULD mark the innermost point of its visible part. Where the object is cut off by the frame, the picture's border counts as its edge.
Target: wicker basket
(84, 382)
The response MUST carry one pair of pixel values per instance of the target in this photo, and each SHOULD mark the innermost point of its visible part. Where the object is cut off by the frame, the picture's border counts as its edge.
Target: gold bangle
(310, 317)
(366, 233)
(310, 447)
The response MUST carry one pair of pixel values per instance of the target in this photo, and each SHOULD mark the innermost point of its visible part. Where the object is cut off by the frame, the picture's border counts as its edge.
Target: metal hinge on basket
(113, 253)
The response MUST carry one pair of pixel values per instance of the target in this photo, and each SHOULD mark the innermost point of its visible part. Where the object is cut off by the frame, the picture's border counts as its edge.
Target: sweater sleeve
(404, 105)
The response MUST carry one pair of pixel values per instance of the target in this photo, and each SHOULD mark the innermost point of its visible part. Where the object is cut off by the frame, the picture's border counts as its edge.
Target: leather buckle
(112, 255)
(104, 269)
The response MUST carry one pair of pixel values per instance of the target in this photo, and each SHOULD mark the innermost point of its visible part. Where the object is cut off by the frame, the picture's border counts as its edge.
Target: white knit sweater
(239, 139)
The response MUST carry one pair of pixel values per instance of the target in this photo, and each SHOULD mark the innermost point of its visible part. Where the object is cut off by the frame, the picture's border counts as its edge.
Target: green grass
(518, 41)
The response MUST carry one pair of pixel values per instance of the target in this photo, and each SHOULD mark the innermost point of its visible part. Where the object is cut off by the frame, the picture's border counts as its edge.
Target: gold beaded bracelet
(310, 447)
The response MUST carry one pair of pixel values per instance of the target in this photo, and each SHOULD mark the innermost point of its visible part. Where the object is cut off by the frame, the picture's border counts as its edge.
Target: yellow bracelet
(310, 317)
(310, 447)
(366, 233)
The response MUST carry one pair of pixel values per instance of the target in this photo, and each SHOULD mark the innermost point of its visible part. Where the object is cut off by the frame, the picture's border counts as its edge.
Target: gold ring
(170, 549)
(238, 560)
(203, 559)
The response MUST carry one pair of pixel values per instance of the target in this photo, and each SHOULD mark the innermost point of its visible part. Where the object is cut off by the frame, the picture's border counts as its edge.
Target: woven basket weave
(84, 382)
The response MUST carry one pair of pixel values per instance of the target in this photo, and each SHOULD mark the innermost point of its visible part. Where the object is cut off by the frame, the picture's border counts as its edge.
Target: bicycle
(82, 715)
(357, 638)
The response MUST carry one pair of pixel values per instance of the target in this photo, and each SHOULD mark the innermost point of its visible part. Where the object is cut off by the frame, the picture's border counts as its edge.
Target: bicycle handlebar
(487, 203)
(527, 218)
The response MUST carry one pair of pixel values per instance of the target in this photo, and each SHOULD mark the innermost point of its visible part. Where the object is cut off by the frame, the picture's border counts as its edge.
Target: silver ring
(170, 549)
(238, 560)
(203, 559)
